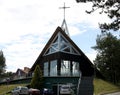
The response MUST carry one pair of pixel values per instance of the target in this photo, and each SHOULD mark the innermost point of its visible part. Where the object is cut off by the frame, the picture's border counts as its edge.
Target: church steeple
(64, 24)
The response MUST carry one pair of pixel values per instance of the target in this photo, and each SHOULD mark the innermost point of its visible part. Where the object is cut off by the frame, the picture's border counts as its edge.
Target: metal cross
(64, 7)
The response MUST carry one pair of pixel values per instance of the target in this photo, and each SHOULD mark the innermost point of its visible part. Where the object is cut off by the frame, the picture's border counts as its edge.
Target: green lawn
(6, 88)
(100, 87)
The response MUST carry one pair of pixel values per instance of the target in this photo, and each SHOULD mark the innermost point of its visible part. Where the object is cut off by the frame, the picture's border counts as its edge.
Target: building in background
(20, 74)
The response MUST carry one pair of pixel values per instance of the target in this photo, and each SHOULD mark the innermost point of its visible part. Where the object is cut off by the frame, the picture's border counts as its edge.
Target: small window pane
(56, 40)
(55, 46)
(46, 69)
(62, 46)
(67, 49)
(53, 68)
(63, 40)
(65, 68)
(75, 68)
(73, 51)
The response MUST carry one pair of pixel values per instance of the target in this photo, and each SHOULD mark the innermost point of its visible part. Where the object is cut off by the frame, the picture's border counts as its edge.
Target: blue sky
(27, 25)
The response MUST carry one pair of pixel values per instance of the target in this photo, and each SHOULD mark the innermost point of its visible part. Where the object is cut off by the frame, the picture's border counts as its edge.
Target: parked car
(48, 91)
(20, 91)
(33, 91)
(65, 89)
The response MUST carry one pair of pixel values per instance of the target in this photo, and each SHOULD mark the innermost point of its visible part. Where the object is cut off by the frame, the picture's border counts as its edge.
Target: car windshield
(23, 88)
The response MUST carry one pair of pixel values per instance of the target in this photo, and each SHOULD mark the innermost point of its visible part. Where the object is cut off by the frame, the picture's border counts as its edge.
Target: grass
(102, 87)
(6, 88)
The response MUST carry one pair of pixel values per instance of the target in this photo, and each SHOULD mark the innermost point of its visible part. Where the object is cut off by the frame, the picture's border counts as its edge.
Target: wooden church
(63, 63)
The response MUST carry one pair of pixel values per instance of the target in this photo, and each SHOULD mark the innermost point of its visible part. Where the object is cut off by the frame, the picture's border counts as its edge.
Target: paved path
(117, 93)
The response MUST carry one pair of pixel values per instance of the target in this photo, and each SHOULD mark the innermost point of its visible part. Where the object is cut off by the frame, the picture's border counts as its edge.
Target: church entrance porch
(62, 85)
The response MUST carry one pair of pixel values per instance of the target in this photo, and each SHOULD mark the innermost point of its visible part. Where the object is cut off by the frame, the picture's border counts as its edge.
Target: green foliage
(37, 80)
(109, 7)
(100, 87)
(108, 56)
(2, 63)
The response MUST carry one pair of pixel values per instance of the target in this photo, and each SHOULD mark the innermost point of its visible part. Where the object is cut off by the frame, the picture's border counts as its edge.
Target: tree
(2, 63)
(37, 80)
(109, 7)
(108, 56)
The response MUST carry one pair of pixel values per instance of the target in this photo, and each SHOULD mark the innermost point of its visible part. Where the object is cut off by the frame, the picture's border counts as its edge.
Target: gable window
(60, 43)
(53, 68)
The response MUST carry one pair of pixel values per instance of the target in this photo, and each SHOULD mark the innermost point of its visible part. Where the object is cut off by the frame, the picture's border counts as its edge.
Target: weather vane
(64, 7)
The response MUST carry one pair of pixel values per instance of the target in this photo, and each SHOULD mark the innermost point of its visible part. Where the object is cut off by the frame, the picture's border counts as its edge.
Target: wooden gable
(77, 55)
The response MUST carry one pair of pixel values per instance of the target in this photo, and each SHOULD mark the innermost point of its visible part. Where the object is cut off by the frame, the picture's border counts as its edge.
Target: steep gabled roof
(72, 46)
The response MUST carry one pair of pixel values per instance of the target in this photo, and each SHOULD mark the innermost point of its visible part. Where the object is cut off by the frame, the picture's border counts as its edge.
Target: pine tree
(2, 63)
(109, 7)
(108, 56)
(37, 80)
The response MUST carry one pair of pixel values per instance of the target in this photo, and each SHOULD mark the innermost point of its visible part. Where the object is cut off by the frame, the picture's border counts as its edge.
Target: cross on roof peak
(64, 7)
(64, 24)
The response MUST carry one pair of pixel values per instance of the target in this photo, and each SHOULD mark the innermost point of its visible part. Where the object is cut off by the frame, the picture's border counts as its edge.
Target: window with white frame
(60, 43)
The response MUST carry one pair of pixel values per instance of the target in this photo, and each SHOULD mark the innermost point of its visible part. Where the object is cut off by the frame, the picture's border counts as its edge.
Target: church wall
(86, 86)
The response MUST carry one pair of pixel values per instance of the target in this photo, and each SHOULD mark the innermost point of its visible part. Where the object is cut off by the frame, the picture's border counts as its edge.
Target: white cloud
(27, 25)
